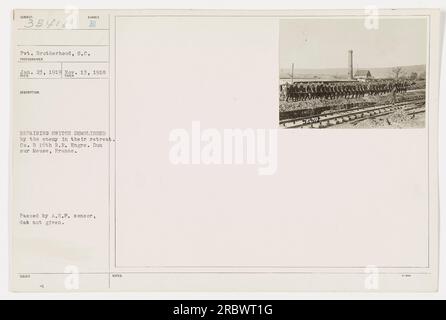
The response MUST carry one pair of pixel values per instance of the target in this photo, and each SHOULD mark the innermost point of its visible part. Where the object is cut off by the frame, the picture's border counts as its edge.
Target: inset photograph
(353, 72)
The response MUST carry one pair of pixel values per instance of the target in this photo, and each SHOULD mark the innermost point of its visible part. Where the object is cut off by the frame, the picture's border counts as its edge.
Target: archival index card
(224, 150)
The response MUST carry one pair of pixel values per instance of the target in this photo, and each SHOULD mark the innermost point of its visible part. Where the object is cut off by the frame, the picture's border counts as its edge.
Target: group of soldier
(301, 91)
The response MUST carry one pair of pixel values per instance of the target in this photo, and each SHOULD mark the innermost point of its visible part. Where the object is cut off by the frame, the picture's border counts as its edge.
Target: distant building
(363, 75)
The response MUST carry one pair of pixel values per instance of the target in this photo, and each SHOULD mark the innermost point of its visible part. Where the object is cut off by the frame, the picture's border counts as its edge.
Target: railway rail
(353, 115)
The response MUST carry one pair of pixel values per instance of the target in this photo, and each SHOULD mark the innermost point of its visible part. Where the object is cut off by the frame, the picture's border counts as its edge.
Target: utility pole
(350, 64)
(292, 73)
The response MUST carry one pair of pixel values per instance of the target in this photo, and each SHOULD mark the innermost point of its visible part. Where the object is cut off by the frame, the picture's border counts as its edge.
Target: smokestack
(350, 64)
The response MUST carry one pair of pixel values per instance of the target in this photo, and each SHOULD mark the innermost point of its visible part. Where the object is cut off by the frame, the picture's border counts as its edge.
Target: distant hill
(341, 73)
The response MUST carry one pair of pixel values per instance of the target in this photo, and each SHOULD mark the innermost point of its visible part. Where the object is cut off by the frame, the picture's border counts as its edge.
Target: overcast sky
(323, 43)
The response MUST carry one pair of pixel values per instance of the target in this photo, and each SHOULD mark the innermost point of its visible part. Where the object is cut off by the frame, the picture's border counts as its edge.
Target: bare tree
(292, 73)
(422, 75)
(396, 71)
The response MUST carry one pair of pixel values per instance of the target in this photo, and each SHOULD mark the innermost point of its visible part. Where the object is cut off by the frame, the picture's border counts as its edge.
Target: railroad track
(409, 111)
(353, 115)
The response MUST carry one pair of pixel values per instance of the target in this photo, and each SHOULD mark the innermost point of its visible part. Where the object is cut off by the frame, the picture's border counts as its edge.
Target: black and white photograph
(365, 72)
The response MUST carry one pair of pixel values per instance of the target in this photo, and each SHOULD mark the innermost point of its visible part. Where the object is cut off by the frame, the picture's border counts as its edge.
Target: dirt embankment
(399, 119)
(321, 105)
